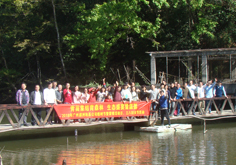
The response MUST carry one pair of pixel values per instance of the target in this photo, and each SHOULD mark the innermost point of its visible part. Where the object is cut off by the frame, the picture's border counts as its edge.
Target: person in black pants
(163, 103)
(36, 98)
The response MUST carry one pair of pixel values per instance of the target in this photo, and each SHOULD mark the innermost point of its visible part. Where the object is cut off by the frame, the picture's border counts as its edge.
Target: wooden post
(153, 70)
(204, 69)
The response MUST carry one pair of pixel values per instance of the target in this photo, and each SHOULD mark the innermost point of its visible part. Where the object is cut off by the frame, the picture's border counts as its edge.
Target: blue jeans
(178, 107)
(206, 103)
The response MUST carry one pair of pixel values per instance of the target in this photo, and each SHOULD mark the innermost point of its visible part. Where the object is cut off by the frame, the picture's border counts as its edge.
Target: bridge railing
(195, 104)
(5, 108)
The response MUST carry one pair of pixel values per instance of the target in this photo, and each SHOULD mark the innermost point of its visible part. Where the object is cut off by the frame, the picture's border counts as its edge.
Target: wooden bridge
(9, 120)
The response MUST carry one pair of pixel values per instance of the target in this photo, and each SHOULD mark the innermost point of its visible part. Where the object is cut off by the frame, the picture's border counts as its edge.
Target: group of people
(163, 99)
(55, 94)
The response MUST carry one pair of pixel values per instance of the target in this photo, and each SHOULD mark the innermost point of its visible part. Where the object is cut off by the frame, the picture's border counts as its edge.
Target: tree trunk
(5, 63)
(39, 71)
(58, 39)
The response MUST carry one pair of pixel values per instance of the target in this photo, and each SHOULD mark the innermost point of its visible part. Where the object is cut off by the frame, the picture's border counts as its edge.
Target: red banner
(101, 110)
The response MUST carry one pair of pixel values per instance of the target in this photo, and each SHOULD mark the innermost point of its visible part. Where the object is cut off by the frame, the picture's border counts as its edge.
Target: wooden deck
(12, 123)
(143, 121)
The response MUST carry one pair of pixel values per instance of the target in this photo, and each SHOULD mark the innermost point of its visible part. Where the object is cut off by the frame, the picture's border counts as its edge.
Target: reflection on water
(181, 147)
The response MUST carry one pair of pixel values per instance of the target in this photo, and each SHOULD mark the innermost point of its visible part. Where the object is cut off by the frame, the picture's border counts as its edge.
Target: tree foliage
(99, 35)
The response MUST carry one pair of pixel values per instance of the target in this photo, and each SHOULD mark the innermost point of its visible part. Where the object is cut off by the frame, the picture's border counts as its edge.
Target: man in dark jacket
(163, 102)
(172, 90)
(186, 95)
(36, 98)
(219, 91)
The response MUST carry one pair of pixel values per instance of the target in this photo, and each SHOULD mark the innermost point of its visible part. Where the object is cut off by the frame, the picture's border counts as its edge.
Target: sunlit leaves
(106, 23)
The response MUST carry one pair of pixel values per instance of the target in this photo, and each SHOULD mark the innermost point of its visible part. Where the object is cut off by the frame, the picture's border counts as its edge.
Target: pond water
(217, 146)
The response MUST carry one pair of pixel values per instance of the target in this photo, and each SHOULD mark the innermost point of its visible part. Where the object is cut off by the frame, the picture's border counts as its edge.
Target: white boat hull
(164, 129)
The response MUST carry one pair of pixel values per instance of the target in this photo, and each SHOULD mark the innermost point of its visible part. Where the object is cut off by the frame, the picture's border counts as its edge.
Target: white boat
(164, 129)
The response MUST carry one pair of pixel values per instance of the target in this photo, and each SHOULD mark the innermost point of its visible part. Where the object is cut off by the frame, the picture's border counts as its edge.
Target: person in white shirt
(49, 95)
(126, 94)
(77, 95)
(85, 96)
(201, 95)
(101, 95)
(192, 89)
(134, 94)
(36, 98)
(153, 97)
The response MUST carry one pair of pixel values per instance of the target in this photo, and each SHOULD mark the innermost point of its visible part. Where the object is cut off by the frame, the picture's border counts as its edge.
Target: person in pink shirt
(67, 94)
(77, 95)
(93, 92)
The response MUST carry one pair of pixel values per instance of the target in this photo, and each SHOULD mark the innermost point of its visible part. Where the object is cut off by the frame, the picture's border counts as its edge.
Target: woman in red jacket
(92, 92)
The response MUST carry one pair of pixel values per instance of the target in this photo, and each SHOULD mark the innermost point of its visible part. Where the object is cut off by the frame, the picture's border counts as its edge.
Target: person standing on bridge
(209, 93)
(179, 94)
(49, 95)
(67, 94)
(219, 91)
(59, 99)
(172, 97)
(192, 88)
(93, 92)
(36, 98)
(163, 103)
(186, 95)
(117, 94)
(153, 97)
(201, 95)
(22, 99)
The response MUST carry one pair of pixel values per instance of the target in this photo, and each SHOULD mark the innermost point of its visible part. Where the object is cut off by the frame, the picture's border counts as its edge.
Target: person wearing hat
(219, 91)
(163, 105)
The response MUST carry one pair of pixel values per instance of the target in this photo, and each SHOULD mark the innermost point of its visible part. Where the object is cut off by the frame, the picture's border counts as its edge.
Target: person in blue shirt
(219, 91)
(209, 93)
(179, 94)
(163, 105)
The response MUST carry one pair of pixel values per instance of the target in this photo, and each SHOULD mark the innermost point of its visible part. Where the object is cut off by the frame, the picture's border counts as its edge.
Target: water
(217, 146)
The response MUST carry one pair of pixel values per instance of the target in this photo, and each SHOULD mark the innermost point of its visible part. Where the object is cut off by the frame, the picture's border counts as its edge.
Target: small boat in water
(164, 129)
